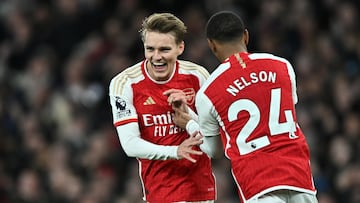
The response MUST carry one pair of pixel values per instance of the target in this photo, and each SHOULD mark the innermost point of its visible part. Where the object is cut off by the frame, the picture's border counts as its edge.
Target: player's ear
(246, 37)
(212, 45)
(181, 47)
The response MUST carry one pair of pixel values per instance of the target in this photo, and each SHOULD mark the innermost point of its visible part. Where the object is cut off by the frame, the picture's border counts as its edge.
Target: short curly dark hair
(225, 26)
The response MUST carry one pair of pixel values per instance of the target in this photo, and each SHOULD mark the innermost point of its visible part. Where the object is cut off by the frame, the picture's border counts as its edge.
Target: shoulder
(187, 67)
(215, 74)
(129, 75)
(130, 72)
(268, 56)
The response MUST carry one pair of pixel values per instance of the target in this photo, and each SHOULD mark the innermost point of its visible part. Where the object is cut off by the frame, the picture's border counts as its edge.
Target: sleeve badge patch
(122, 111)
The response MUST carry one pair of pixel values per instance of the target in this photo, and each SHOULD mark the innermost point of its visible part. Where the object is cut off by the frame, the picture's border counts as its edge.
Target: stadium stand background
(57, 142)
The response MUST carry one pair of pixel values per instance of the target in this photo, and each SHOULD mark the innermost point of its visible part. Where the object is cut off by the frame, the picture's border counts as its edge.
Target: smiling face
(161, 51)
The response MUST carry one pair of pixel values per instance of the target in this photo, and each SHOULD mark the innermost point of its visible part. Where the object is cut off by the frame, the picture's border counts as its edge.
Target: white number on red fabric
(276, 128)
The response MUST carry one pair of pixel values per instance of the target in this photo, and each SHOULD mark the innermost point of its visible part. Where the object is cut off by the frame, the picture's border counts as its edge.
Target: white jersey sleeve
(193, 115)
(192, 126)
(207, 115)
(293, 81)
(126, 122)
(212, 146)
(209, 127)
(134, 146)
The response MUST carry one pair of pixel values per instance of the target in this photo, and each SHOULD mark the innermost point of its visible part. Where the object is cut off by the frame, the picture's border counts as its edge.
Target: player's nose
(157, 55)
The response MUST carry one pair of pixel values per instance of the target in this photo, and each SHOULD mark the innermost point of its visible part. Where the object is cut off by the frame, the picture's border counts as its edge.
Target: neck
(229, 49)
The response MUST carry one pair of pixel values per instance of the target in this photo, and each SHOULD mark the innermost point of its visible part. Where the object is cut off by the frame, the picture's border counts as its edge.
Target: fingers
(175, 102)
(185, 149)
(191, 152)
(194, 134)
(196, 140)
(188, 155)
(175, 97)
(181, 118)
(197, 135)
(180, 113)
(171, 91)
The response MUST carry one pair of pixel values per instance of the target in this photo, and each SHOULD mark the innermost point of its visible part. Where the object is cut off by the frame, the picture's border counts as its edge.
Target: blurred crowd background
(57, 141)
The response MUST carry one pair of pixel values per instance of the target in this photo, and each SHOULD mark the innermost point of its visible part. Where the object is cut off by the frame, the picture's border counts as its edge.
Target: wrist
(176, 152)
(192, 126)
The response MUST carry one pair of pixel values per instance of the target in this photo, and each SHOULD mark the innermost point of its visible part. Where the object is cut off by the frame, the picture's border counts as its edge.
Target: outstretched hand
(185, 149)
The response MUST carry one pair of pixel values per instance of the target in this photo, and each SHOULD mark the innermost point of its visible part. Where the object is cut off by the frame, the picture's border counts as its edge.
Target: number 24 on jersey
(276, 128)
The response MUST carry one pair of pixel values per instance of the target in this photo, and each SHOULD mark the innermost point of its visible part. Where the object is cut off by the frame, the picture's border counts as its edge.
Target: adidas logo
(149, 101)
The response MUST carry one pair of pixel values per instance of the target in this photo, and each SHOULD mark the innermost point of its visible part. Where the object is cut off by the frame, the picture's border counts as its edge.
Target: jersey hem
(179, 201)
(281, 187)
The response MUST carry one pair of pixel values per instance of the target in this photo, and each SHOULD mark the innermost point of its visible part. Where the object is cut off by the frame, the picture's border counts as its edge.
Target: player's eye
(149, 48)
(165, 49)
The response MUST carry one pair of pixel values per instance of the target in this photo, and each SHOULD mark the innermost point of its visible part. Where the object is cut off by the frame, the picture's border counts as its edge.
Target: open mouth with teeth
(159, 67)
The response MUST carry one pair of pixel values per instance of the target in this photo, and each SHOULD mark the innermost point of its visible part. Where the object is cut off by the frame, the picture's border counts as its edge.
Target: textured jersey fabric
(251, 99)
(135, 97)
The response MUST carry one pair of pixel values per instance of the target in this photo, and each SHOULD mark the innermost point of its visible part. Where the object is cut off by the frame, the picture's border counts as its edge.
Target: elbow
(129, 147)
(212, 152)
(212, 147)
(216, 154)
(129, 151)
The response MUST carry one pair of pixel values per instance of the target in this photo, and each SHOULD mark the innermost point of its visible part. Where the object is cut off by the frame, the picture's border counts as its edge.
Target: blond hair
(164, 23)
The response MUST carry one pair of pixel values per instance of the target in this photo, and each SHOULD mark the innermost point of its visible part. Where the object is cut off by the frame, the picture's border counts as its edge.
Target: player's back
(254, 98)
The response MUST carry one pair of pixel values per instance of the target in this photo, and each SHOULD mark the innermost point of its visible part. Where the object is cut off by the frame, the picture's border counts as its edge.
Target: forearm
(193, 115)
(135, 146)
(191, 127)
(211, 145)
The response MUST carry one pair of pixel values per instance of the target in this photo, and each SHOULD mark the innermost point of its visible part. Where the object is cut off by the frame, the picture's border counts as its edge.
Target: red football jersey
(251, 99)
(135, 97)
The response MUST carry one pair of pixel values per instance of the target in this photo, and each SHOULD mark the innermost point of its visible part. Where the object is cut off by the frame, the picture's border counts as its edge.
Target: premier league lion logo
(122, 110)
(120, 104)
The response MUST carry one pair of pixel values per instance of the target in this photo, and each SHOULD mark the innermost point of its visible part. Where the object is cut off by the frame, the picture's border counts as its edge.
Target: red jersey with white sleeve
(137, 98)
(250, 99)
